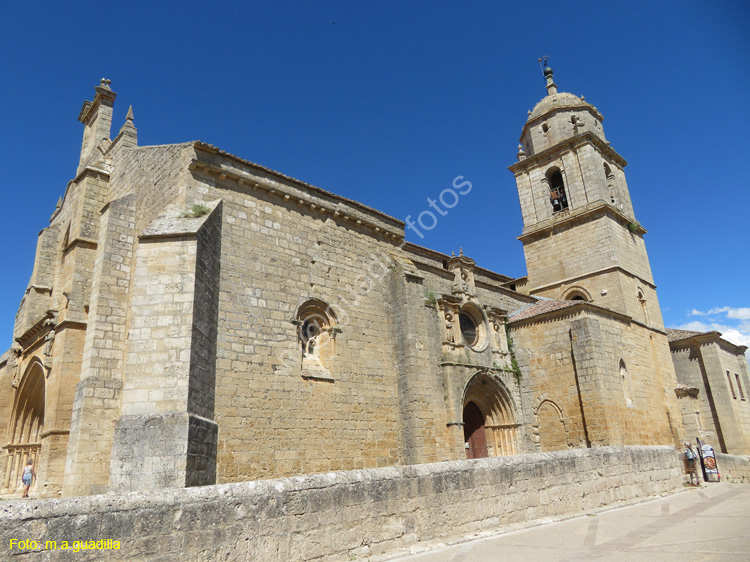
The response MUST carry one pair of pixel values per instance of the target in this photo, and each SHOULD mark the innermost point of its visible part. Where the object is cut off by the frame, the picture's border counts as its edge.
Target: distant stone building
(713, 377)
(194, 318)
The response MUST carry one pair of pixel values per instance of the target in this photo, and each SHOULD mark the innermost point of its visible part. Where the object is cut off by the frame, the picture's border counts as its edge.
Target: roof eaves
(205, 147)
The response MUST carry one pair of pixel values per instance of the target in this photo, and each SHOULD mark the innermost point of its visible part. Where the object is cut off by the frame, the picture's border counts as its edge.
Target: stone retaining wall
(733, 468)
(340, 515)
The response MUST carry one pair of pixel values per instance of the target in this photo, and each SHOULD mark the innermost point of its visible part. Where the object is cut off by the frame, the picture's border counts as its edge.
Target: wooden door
(474, 434)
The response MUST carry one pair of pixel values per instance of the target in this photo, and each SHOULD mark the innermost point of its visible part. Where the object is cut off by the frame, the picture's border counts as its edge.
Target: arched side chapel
(26, 424)
(227, 324)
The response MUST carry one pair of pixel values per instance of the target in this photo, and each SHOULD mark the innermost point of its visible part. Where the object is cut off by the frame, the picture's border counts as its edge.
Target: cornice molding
(588, 212)
(567, 145)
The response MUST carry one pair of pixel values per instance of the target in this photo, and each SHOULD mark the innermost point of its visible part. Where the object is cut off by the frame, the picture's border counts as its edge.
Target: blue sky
(386, 103)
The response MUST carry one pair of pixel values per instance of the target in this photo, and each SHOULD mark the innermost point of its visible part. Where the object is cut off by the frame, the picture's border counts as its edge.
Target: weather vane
(543, 61)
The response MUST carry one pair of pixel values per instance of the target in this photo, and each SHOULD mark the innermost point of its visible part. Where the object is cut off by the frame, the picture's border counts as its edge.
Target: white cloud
(736, 337)
(739, 313)
(732, 322)
(695, 326)
(734, 313)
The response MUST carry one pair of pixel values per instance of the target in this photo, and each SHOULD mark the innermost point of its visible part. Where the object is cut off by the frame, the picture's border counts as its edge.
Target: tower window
(557, 195)
(627, 384)
(731, 387)
(739, 386)
(577, 293)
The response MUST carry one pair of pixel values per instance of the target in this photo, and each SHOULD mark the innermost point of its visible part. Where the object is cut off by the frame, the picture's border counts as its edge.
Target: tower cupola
(558, 116)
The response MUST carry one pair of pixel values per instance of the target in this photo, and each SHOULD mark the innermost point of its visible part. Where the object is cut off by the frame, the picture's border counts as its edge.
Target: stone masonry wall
(733, 367)
(97, 402)
(733, 468)
(581, 353)
(340, 515)
(699, 414)
(277, 254)
(166, 435)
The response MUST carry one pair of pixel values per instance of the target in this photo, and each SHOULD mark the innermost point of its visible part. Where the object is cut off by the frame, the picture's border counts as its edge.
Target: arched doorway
(490, 428)
(27, 422)
(552, 433)
(474, 432)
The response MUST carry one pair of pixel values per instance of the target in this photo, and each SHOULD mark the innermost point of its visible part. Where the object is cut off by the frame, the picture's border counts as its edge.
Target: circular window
(473, 327)
(468, 329)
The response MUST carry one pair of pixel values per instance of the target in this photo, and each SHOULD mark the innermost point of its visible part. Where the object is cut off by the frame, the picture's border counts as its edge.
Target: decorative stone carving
(449, 337)
(462, 268)
(684, 390)
(496, 317)
(49, 339)
(448, 305)
(15, 355)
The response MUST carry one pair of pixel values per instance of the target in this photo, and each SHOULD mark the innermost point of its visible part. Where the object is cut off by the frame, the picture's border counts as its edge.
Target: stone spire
(128, 133)
(97, 117)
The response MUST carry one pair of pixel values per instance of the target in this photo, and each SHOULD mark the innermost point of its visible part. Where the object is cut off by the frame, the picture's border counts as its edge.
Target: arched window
(644, 307)
(577, 294)
(627, 384)
(316, 335)
(610, 178)
(557, 195)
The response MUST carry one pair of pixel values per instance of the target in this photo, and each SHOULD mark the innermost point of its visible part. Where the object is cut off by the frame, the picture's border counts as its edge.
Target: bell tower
(580, 236)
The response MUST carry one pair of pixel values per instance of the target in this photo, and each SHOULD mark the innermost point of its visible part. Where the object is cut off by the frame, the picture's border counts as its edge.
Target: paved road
(697, 525)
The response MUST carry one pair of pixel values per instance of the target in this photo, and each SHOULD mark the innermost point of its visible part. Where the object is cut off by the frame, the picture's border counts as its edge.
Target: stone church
(196, 318)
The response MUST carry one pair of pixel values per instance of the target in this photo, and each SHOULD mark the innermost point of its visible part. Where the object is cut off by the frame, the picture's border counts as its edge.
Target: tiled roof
(541, 307)
(676, 335)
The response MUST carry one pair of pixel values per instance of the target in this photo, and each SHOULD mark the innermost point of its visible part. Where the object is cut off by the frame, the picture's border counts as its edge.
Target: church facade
(195, 318)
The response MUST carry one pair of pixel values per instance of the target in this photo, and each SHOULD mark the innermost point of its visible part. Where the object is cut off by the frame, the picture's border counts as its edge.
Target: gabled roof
(676, 335)
(540, 307)
(548, 306)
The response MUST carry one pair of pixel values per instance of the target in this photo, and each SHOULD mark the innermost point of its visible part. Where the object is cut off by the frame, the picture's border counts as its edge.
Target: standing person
(690, 457)
(28, 475)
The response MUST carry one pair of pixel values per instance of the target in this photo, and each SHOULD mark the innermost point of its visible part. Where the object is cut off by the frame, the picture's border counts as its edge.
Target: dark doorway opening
(474, 434)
